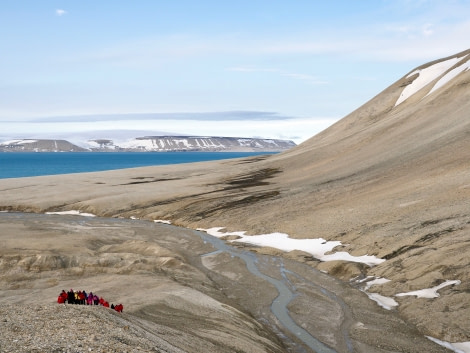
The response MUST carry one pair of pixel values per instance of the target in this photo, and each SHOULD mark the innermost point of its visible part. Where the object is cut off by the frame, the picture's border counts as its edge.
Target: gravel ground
(74, 328)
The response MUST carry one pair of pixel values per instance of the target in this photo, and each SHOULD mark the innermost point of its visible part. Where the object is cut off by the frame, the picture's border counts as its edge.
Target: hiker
(89, 300)
(81, 298)
(71, 297)
(62, 297)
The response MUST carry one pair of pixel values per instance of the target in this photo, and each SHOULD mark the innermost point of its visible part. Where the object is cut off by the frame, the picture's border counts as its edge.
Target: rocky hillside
(392, 179)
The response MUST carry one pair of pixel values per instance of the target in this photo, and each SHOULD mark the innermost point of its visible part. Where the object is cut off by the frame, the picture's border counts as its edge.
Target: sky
(250, 68)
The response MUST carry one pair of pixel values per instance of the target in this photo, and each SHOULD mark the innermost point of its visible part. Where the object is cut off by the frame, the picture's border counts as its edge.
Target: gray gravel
(74, 328)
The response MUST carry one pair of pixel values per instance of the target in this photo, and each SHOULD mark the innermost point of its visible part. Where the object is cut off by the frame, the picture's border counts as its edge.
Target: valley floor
(179, 292)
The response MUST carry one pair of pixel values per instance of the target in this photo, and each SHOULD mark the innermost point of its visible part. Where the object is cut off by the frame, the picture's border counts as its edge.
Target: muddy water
(280, 303)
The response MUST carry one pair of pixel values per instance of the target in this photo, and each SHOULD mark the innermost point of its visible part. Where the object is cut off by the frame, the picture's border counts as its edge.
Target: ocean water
(26, 164)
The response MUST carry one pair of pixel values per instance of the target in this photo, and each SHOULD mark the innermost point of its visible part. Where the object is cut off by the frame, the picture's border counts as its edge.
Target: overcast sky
(269, 68)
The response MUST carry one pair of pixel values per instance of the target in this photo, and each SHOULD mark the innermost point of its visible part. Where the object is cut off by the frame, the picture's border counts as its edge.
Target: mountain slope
(392, 179)
(387, 153)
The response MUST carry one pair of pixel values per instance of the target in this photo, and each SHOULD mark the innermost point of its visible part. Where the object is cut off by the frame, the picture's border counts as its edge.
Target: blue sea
(27, 164)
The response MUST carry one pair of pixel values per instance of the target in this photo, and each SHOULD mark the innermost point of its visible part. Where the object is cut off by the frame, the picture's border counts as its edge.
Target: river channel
(286, 294)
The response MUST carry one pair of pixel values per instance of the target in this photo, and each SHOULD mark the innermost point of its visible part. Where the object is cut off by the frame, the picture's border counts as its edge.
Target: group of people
(83, 298)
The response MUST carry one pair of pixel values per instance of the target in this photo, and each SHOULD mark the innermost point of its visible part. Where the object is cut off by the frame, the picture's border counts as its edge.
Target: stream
(286, 294)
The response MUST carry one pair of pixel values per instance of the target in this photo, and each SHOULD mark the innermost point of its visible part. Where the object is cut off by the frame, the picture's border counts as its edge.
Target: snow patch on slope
(317, 247)
(429, 292)
(383, 301)
(459, 347)
(450, 75)
(429, 74)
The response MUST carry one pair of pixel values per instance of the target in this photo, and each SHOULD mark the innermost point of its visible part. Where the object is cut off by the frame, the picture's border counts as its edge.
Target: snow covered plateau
(150, 144)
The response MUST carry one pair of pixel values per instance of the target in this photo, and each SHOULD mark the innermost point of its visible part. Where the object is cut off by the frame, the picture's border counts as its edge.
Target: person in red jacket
(81, 298)
(62, 297)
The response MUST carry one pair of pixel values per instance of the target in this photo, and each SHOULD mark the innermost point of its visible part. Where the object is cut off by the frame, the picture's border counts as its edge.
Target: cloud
(296, 76)
(428, 34)
(304, 77)
(207, 116)
(250, 69)
(60, 12)
(427, 30)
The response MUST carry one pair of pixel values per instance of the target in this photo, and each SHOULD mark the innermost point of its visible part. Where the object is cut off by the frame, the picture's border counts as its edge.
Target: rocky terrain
(390, 180)
(71, 328)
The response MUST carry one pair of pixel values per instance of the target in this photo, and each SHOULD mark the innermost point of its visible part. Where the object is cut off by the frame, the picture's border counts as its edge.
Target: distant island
(150, 144)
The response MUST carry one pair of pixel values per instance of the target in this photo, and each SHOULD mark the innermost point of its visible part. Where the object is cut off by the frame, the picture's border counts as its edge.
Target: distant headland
(150, 144)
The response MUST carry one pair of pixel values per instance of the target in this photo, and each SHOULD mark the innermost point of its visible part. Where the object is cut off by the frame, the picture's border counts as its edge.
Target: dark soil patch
(400, 251)
(141, 181)
(435, 235)
(245, 201)
(256, 178)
